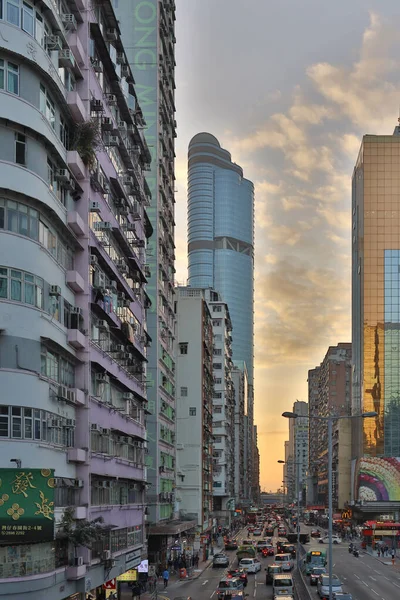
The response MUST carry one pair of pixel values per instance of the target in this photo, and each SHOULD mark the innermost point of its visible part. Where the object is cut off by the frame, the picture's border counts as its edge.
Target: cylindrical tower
(221, 236)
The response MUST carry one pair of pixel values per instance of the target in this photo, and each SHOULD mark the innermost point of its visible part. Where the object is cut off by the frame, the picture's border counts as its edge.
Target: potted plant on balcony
(80, 533)
(86, 138)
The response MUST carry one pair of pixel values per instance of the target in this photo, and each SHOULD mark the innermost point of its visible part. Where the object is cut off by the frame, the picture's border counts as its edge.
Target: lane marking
(373, 578)
(396, 584)
(212, 594)
(379, 573)
(366, 584)
(355, 575)
(204, 582)
(372, 590)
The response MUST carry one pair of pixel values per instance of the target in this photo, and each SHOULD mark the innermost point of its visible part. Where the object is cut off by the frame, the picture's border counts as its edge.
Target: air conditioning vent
(96, 105)
(96, 65)
(69, 22)
(55, 290)
(53, 42)
(95, 207)
(111, 34)
(111, 99)
(62, 175)
(112, 140)
(66, 59)
(102, 226)
(120, 58)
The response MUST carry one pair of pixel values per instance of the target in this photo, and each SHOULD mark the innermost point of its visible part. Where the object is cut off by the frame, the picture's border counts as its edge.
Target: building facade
(147, 28)
(194, 376)
(73, 333)
(297, 463)
(375, 321)
(239, 380)
(221, 244)
(329, 391)
(223, 411)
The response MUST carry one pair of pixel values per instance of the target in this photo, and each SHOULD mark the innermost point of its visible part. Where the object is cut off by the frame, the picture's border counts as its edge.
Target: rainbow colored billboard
(377, 479)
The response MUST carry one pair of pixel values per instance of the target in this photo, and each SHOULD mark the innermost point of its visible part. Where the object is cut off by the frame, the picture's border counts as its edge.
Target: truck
(292, 538)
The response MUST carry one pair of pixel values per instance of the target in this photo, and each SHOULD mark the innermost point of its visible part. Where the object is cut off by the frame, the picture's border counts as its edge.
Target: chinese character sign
(26, 505)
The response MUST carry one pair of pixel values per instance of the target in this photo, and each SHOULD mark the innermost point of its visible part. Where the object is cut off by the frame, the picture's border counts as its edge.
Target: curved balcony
(27, 183)
(16, 109)
(29, 51)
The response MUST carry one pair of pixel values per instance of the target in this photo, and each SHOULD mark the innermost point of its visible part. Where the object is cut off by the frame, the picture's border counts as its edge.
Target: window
(9, 77)
(217, 410)
(12, 11)
(4, 421)
(217, 365)
(47, 107)
(50, 175)
(17, 422)
(183, 348)
(57, 367)
(217, 351)
(63, 133)
(217, 322)
(217, 308)
(217, 380)
(192, 411)
(28, 22)
(20, 149)
(39, 30)
(217, 439)
(217, 395)
(21, 287)
(184, 392)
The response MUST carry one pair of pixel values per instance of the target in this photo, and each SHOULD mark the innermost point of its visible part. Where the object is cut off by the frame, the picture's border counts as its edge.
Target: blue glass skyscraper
(221, 236)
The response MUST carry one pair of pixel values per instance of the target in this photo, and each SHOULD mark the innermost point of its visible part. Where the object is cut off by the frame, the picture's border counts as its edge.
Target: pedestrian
(165, 577)
(196, 561)
(393, 555)
(379, 551)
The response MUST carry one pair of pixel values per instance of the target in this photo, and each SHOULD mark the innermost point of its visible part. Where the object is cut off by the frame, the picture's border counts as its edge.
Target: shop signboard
(130, 575)
(132, 559)
(26, 505)
(143, 567)
(110, 585)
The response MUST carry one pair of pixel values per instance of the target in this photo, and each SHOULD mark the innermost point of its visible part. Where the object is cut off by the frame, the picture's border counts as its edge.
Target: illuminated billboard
(377, 479)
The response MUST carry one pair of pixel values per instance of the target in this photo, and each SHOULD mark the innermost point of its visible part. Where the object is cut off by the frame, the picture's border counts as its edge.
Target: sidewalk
(173, 582)
(384, 560)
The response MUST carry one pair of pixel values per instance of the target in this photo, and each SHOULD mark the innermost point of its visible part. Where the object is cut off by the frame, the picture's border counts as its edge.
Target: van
(282, 585)
(285, 560)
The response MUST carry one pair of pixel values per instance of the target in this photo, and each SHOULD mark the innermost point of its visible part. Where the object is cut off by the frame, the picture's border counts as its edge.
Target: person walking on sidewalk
(165, 577)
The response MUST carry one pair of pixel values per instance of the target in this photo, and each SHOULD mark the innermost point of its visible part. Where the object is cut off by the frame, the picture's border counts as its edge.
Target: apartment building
(73, 335)
(239, 380)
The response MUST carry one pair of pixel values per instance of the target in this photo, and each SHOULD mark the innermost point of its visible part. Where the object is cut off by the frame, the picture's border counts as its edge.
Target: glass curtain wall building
(376, 317)
(221, 236)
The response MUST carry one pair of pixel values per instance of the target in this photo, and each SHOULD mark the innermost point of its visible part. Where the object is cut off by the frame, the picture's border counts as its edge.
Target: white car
(284, 561)
(251, 565)
(323, 585)
(325, 540)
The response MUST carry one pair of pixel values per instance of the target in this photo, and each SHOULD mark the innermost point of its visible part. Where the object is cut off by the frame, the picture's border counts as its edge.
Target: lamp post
(329, 420)
(282, 462)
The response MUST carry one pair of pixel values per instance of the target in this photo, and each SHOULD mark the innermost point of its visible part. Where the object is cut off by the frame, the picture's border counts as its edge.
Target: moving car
(268, 550)
(247, 543)
(315, 533)
(220, 560)
(231, 545)
(282, 585)
(272, 570)
(343, 596)
(262, 544)
(252, 565)
(282, 531)
(315, 573)
(241, 573)
(325, 540)
(285, 560)
(289, 549)
(257, 531)
(323, 585)
(229, 586)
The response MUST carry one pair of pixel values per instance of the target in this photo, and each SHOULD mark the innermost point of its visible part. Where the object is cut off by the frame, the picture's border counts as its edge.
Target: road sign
(110, 585)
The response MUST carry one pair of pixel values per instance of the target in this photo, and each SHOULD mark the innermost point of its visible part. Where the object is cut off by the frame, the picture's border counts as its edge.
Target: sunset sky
(288, 87)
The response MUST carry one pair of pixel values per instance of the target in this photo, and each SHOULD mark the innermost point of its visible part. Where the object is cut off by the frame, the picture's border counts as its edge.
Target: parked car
(325, 540)
(252, 565)
(231, 545)
(315, 573)
(323, 585)
(220, 560)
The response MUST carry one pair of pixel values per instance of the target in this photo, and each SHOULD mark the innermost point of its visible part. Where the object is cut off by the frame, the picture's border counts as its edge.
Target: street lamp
(329, 420)
(282, 462)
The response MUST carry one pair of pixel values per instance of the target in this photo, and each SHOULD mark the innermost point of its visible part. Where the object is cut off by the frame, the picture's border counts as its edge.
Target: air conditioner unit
(135, 212)
(111, 34)
(55, 290)
(102, 226)
(96, 105)
(122, 126)
(96, 65)
(112, 284)
(71, 396)
(131, 128)
(127, 303)
(99, 280)
(128, 396)
(106, 555)
(127, 356)
(125, 71)
(101, 324)
(76, 310)
(111, 99)
(62, 392)
(127, 180)
(53, 42)
(70, 423)
(62, 175)
(124, 211)
(102, 378)
(79, 483)
(66, 59)
(120, 58)
(94, 207)
(105, 431)
(106, 187)
(69, 22)
(107, 124)
(112, 140)
(121, 296)
(78, 560)
(118, 348)
(55, 423)
(94, 427)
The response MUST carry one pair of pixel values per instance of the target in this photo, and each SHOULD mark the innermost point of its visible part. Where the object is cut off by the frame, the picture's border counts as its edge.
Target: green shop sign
(26, 505)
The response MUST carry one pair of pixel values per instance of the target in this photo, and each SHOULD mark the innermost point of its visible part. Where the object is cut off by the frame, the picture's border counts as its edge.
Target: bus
(315, 558)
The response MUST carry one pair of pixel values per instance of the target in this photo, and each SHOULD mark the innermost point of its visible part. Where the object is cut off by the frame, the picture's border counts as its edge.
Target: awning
(172, 528)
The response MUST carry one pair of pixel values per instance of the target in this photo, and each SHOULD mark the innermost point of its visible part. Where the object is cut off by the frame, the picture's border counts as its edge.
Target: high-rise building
(255, 493)
(194, 376)
(297, 463)
(73, 335)
(376, 319)
(239, 380)
(147, 28)
(221, 245)
(329, 393)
